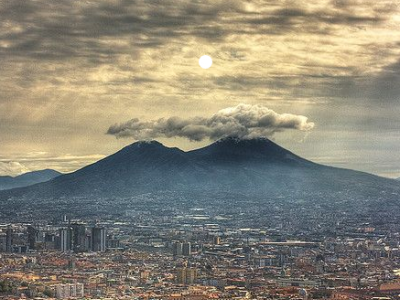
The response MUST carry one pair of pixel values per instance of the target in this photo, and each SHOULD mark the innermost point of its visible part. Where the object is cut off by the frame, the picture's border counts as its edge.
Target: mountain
(237, 169)
(30, 178)
(150, 166)
(233, 151)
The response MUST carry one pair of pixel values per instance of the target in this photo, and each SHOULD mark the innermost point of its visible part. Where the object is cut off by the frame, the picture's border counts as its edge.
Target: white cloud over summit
(243, 121)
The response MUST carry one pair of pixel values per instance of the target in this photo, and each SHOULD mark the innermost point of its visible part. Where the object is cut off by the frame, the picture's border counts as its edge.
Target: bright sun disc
(205, 61)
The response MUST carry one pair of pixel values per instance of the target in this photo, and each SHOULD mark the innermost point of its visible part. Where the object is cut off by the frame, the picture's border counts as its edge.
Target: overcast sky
(71, 72)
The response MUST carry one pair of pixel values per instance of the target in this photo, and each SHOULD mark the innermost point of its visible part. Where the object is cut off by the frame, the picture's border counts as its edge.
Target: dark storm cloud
(296, 16)
(351, 5)
(243, 121)
(289, 20)
(64, 29)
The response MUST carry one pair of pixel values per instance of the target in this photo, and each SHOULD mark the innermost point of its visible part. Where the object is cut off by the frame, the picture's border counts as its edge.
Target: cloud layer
(12, 168)
(242, 121)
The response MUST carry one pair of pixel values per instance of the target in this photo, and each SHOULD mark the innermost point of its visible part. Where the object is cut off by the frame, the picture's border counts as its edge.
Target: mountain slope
(30, 178)
(136, 168)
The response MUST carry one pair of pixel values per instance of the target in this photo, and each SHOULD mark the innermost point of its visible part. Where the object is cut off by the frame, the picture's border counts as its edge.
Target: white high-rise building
(64, 291)
(65, 239)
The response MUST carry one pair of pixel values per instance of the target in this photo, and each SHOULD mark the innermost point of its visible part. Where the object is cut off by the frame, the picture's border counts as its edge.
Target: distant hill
(9, 182)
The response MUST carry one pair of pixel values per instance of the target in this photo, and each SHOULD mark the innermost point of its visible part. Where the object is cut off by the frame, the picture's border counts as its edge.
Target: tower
(9, 239)
(32, 236)
(79, 237)
(187, 249)
(99, 236)
(65, 239)
(178, 249)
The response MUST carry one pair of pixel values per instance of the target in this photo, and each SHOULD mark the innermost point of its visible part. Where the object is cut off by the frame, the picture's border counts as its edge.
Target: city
(195, 254)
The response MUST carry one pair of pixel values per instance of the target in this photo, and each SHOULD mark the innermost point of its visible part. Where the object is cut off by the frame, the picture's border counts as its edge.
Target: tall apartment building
(99, 239)
(9, 239)
(65, 239)
(186, 275)
(187, 249)
(178, 249)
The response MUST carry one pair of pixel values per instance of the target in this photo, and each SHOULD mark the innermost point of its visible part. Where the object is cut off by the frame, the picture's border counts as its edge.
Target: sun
(205, 61)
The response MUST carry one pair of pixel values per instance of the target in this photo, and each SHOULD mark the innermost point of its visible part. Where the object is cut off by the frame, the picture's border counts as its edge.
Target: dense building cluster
(197, 254)
(65, 237)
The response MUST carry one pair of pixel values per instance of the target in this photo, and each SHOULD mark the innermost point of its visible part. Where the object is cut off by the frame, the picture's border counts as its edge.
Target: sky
(81, 79)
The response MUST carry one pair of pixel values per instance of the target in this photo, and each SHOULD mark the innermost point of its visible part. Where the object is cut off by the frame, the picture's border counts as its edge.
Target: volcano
(251, 167)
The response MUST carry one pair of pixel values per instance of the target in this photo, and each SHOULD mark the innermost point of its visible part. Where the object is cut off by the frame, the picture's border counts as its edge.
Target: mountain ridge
(26, 179)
